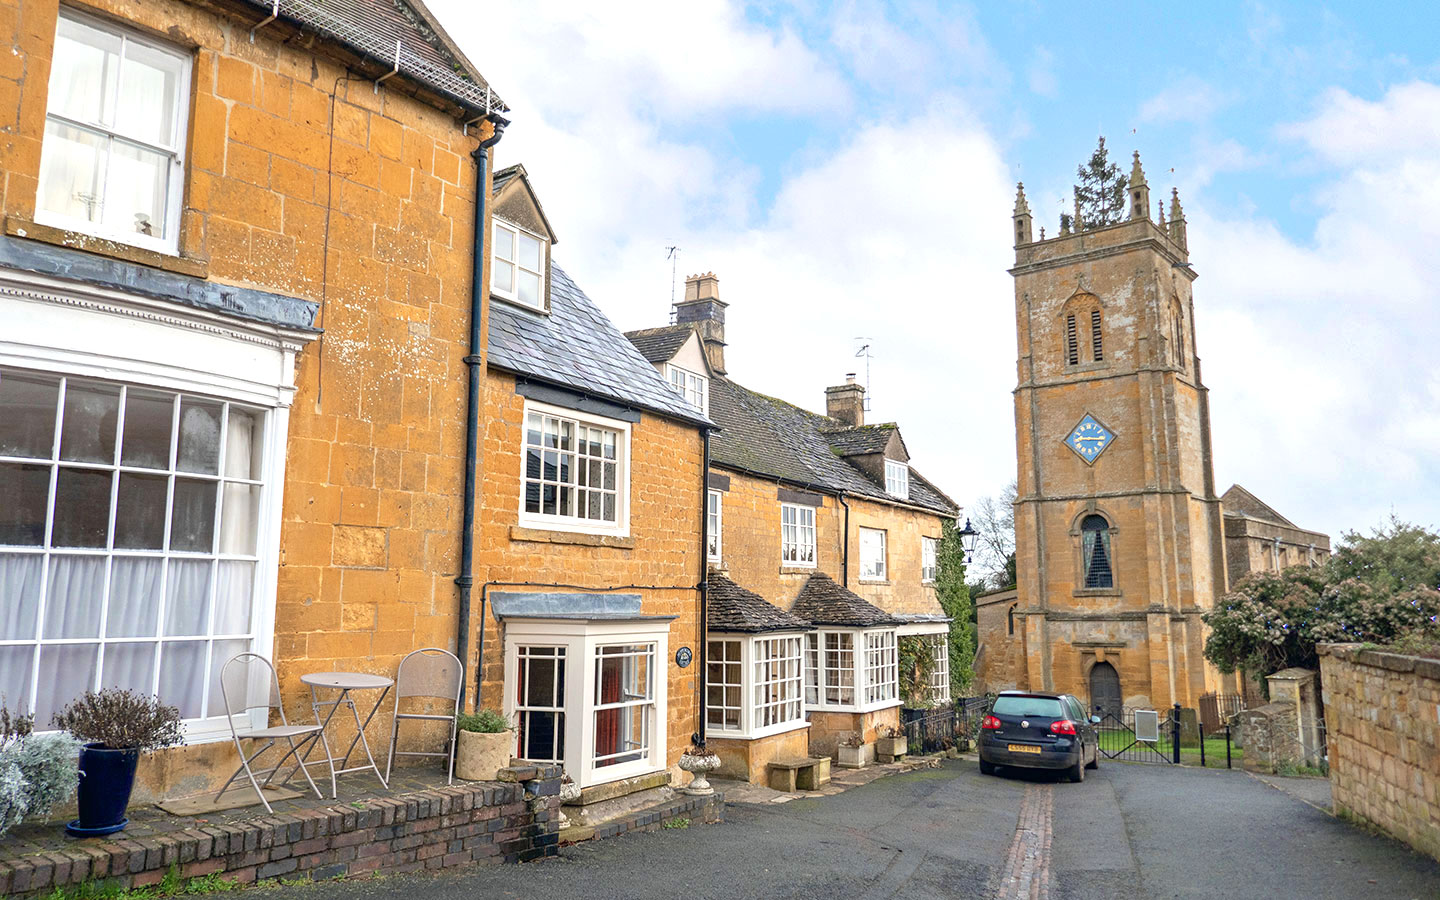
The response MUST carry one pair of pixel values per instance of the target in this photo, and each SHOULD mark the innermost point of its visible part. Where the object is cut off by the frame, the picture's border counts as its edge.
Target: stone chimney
(703, 308)
(846, 402)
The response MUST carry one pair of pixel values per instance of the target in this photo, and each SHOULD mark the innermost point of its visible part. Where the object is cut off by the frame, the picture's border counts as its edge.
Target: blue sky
(848, 169)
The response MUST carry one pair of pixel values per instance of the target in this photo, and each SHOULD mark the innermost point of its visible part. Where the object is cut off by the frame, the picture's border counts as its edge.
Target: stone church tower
(1119, 533)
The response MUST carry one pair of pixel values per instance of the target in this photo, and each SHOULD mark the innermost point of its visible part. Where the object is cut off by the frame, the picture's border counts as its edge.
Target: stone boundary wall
(1382, 713)
(706, 810)
(481, 822)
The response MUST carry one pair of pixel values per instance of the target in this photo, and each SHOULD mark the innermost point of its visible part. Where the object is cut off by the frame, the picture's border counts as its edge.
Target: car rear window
(1037, 707)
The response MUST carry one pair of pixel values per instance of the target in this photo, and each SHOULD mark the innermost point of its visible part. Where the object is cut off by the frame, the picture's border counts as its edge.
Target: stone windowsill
(878, 582)
(15, 226)
(799, 570)
(546, 536)
(1098, 592)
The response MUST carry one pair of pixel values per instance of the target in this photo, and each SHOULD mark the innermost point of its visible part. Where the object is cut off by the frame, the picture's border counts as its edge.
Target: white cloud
(1042, 73)
(1187, 100)
(1350, 131)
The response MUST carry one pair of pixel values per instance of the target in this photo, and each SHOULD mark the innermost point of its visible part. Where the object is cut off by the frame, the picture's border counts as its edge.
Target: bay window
(754, 685)
(797, 535)
(576, 473)
(872, 554)
(851, 669)
(112, 160)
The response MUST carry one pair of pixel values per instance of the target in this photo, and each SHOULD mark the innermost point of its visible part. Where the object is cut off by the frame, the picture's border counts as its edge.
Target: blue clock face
(1089, 438)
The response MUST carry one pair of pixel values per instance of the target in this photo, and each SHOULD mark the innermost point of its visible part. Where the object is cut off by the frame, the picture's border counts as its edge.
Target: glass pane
(200, 439)
(529, 253)
(224, 650)
(182, 676)
(242, 443)
(135, 188)
(238, 518)
(504, 243)
(134, 597)
(502, 278)
(129, 667)
(72, 163)
(91, 414)
(82, 73)
(82, 508)
(187, 597)
(27, 414)
(20, 591)
(140, 511)
(233, 591)
(148, 417)
(26, 490)
(192, 519)
(149, 88)
(66, 672)
(77, 590)
(529, 289)
(15, 671)
(540, 690)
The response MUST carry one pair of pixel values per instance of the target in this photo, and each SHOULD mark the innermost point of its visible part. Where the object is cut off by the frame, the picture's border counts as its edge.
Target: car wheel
(1095, 760)
(1077, 771)
(987, 768)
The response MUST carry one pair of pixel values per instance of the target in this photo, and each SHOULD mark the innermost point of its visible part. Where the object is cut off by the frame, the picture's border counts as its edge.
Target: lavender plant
(121, 720)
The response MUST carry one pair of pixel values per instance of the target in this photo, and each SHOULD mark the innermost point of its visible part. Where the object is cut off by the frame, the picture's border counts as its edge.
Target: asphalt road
(1127, 831)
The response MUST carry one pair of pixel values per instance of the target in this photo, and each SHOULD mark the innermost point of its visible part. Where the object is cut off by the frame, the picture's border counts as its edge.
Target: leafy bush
(121, 720)
(1379, 588)
(36, 771)
(486, 721)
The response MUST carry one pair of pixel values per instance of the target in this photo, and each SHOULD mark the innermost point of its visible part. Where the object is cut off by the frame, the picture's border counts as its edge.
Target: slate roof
(1238, 501)
(860, 440)
(661, 344)
(767, 436)
(733, 608)
(372, 28)
(823, 601)
(503, 176)
(577, 347)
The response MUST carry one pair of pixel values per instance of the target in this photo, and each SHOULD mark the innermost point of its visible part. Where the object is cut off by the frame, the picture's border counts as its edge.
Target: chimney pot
(846, 402)
(703, 308)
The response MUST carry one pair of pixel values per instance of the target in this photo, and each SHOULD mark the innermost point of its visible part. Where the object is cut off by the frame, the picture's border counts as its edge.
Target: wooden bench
(799, 773)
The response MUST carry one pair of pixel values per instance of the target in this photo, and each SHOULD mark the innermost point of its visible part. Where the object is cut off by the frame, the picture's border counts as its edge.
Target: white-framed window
(754, 685)
(576, 475)
(872, 554)
(724, 684)
(112, 162)
(929, 559)
(778, 676)
(714, 523)
(797, 535)
(940, 673)
(882, 680)
(851, 669)
(693, 387)
(517, 265)
(130, 538)
(606, 694)
(897, 479)
(540, 703)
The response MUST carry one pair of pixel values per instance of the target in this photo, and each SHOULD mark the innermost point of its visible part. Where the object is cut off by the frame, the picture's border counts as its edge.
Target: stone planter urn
(856, 757)
(480, 755)
(893, 747)
(569, 793)
(698, 763)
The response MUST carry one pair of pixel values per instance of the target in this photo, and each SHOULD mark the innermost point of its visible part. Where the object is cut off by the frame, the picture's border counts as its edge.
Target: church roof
(1238, 501)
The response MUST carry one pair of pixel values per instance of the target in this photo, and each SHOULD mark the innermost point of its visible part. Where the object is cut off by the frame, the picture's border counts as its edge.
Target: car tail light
(990, 723)
(1062, 726)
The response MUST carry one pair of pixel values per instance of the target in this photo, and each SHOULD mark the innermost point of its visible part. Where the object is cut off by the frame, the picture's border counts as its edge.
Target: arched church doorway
(1105, 689)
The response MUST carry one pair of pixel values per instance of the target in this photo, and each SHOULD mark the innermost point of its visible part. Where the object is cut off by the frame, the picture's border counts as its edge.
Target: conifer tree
(1101, 191)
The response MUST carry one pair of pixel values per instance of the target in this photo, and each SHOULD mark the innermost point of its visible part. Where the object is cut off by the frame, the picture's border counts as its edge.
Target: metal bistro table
(345, 682)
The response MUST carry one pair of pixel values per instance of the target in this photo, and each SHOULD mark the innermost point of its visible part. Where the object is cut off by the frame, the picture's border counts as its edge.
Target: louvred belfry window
(1072, 342)
(1096, 347)
(1095, 545)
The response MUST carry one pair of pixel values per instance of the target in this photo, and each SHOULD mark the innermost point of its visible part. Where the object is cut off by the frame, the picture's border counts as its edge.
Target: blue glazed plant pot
(106, 779)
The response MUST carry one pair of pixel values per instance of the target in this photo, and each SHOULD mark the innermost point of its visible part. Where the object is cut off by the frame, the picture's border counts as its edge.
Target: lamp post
(968, 538)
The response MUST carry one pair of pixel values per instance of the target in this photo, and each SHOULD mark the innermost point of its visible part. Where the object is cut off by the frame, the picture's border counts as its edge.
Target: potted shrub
(854, 752)
(485, 742)
(892, 742)
(115, 726)
(37, 771)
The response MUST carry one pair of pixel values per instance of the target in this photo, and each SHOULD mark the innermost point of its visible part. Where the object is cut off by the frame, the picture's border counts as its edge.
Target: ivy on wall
(955, 600)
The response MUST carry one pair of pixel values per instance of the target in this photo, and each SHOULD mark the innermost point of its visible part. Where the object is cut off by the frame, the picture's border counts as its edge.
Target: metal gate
(1150, 736)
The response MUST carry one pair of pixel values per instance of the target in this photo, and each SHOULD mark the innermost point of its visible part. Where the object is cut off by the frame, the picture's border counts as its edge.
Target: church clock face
(1089, 439)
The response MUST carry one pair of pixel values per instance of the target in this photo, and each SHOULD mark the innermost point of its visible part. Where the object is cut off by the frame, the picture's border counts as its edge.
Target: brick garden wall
(480, 822)
(1382, 719)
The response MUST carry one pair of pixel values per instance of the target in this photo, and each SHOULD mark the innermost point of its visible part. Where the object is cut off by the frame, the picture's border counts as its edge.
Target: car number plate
(1022, 748)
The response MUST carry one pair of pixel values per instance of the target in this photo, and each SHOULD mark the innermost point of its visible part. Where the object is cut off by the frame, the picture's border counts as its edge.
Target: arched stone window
(1095, 552)
(1177, 333)
(1011, 618)
(1083, 311)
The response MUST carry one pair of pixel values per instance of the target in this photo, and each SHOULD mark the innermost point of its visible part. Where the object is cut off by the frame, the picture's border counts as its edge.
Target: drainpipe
(473, 361)
(844, 543)
(704, 585)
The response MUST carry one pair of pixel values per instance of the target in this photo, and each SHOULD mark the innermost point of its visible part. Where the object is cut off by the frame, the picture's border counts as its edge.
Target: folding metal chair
(240, 674)
(434, 673)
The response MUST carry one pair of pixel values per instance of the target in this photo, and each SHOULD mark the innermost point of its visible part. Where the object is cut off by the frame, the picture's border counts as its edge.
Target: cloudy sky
(848, 171)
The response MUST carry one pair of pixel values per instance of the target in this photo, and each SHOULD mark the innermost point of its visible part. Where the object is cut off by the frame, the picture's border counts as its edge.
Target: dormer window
(517, 267)
(897, 479)
(691, 386)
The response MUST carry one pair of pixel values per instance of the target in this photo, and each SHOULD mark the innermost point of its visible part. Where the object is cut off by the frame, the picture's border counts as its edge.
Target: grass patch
(172, 885)
(677, 823)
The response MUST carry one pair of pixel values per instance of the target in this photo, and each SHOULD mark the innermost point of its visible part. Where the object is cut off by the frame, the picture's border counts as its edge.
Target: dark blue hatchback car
(1039, 731)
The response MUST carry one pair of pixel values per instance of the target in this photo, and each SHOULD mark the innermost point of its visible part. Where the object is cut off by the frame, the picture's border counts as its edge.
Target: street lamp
(968, 538)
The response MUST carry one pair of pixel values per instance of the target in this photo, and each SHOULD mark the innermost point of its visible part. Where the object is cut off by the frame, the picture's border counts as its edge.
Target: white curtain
(19, 595)
(66, 671)
(130, 666)
(242, 433)
(182, 676)
(223, 653)
(232, 597)
(77, 590)
(187, 600)
(15, 668)
(237, 519)
(134, 597)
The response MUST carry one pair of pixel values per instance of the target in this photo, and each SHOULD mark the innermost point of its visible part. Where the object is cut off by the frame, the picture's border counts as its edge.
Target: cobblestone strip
(1027, 865)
